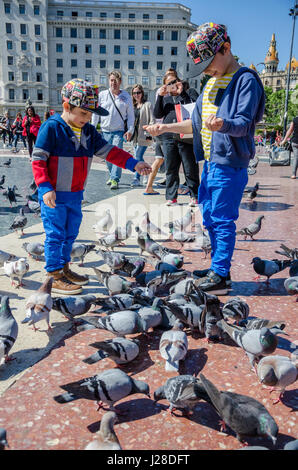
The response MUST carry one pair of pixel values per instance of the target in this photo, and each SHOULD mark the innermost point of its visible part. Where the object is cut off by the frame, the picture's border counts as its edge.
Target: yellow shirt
(208, 107)
(77, 132)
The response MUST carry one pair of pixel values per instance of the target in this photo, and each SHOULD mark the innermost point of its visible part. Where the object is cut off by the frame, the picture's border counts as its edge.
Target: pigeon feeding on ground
(4, 256)
(19, 222)
(291, 286)
(183, 222)
(114, 283)
(203, 240)
(252, 229)
(248, 189)
(115, 302)
(235, 308)
(173, 346)
(246, 416)
(71, 307)
(33, 206)
(147, 226)
(105, 223)
(34, 249)
(181, 236)
(120, 350)
(80, 250)
(146, 243)
(134, 265)
(115, 261)
(8, 330)
(268, 268)
(39, 305)
(16, 269)
(110, 240)
(10, 196)
(291, 253)
(6, 163)
(278, 372)
(174, 259)
(106, 438)
(108, 387)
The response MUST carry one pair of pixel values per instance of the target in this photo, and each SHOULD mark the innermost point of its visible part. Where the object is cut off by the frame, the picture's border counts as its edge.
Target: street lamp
(293, 13)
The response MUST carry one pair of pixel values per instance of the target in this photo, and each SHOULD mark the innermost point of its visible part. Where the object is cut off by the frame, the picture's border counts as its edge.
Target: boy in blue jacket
(61, 161)
(223, 126)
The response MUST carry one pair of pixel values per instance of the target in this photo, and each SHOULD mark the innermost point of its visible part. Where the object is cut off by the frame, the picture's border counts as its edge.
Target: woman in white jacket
(143, 116)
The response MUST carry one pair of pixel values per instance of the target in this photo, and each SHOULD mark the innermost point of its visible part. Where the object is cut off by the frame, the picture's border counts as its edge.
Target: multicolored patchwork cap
(203, 44)
(83, 94)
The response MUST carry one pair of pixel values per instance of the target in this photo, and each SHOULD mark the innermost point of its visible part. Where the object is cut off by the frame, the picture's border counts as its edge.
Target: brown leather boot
(61, 285)
(74, 277)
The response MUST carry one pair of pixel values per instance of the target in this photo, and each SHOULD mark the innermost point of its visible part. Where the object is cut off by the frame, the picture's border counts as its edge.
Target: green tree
(275, 106)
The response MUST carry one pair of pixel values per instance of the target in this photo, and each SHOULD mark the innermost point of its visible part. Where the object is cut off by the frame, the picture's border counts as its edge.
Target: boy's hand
(213, 123)
(49, 199)
(154, 129)
(143, 168)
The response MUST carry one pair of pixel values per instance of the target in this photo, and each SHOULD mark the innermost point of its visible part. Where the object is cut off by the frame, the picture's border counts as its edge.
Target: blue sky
(250, 25)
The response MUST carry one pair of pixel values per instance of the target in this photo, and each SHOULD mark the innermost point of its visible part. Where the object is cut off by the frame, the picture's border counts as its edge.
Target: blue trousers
(220, 194)
(61, 226)
(114, 138)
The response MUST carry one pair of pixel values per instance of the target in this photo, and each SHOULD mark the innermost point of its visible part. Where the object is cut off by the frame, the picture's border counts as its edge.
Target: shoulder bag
(124, 120)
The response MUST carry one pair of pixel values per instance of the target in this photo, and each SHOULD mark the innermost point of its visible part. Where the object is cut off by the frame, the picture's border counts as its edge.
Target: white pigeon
(147, 226)
(125, 232)
(173, 346)
(104, 223)
(39, 305)
(183, 222)
(16, 269)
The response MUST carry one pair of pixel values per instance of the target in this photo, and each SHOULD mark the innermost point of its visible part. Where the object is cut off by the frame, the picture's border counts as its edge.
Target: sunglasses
(172, 82)
(136, 92)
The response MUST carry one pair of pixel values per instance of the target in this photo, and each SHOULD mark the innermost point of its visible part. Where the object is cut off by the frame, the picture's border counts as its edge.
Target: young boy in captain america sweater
(61, 161)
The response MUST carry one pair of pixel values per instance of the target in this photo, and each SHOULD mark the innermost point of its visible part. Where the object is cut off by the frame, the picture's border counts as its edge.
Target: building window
(103, 15)
(38, 46)
(59, 77)
(88, 64)
(174, 65)
(174, 35)
(160, 36)
(160, 17)
(58, 32)
(145, 65)
(131, 64)
(8, 28)
(25, 76)
(117, 50)
(37, 29)
(74, 75)
(22, 9)
(9, 60)
(102, 64)
(174, 50)
(11, 94)
(187, 67)
(89, 14)
(145, 81)
(117, 15)
(88, 33)
(36, 10)
(74, 48)
(116, 64)
(7, 8)
(59, 47)
(39, 95)
(131, 16)
(117, 34)
(158, 81)
(131, 79)
(159, 50)
(73, 32)
(11, 76)
(38, 76)
(59, 63)
(131, 50)
(145, 35)
(74, 13)
(145, 50)
(23, 28)
(146, 16)
(102, 33)
(23, 45)
(102, 80)
(8, 45)
(131, 34)
(25, 94)
(159, 65)
(60, 13)
(102, 49)
(88, 48)
(38, 61)
(73, 63)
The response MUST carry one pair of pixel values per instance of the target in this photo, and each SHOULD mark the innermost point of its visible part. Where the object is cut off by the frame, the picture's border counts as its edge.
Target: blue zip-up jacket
(241, 106)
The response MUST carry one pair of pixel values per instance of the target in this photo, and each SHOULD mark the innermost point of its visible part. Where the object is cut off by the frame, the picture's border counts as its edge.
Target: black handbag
(279, 156)
(124, 120)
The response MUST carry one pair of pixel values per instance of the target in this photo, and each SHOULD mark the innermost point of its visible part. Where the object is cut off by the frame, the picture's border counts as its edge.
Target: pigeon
(252, 229)
(105, 223)
(293, 271)
(235, 308)
(2, 180)
(147, 226)
(10, 196)
(243, 414)
(248, 189)
(291, 286)
(146, 243)
(292, 445)
(183, 222)
(181, 236)
(164, 280)
(71, 307)
(115, 261)
(133, 266)
(124, 232)
(277, 371)
(184, 287)
(120, 350)
(115, 302)
(8, 330)
(33, 206)
(4, 256)
(203, 240)
(121, 323)
(33, 185)
(251, 194)
(108, 387)
(7, 163)
(291, 253)
(39, 305)
(114, 283)
(34, 249)
(16, 269)
(3, 439)
(80, 250)
(174, 259)
(151, 316)
(173, 346)
(268, 268)
(106, 438)
(19, 222)
(110, 240)
(258, 323)
(255, 343)
(182, 391)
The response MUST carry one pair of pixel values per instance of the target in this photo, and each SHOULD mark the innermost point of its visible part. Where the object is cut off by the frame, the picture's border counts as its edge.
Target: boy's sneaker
(109, 182)
(172, 202)
(75, 278)
(114, 184)
(214, 283)
(135, 184)
(61, 285)
(204, 272)
(193, 202)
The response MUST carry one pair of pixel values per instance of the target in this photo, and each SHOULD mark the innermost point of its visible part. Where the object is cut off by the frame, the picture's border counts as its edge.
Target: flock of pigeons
(168, 298)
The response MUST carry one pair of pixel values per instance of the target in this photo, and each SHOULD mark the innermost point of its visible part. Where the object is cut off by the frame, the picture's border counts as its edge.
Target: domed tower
(271, 60)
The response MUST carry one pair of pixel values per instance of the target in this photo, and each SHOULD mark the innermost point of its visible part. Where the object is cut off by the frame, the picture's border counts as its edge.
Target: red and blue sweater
(61, 163)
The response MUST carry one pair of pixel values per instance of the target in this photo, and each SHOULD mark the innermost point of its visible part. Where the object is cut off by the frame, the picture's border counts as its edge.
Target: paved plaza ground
(43, 361)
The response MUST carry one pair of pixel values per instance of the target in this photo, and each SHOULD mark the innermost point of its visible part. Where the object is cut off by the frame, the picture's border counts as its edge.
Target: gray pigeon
(115, 302)
(147, 226)
(174, 259)
(124, 232)
(181, 236)
(39, 305)
(8, 330)
(151, 316)
(106, 438)
(19, 222)
(121, 350)
(203, 240)
(133, 266)
(183, 222)
(291, 253)
(114, 283)
(71, 307)
(184, 287)
(115, 261)
(146, 243)
(124, 322)
(291, 286)
(4, 256)
(252, 229)
(173, 346)
(110, 240)
(108, 387)
(264, 267)
(3, 439)
(255, 343)
(182, 391)
(258, 323)
(246, 416)
(248, 189)
(235, 308)
(34, 249)
(80, 250)
(277, 371)
(33, 206)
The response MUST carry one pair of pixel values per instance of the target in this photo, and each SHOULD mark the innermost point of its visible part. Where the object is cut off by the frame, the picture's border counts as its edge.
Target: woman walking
(143, 116)
(293, 129)
(18, 131)
(31, 124)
